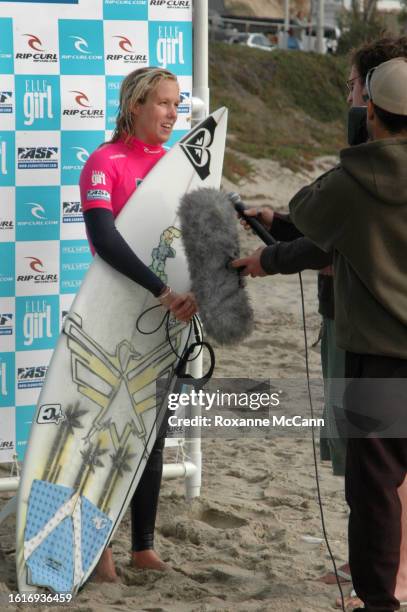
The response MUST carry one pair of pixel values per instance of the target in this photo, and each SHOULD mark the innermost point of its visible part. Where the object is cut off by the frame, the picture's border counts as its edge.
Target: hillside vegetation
(289, 106)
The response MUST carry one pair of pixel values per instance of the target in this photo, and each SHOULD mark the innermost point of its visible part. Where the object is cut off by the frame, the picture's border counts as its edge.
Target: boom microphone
(210, 237)
(254, 223)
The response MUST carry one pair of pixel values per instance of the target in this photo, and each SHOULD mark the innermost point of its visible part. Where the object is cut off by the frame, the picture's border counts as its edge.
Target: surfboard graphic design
(99, 411)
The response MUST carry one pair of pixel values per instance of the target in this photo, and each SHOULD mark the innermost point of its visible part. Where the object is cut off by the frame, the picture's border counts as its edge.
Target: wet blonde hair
(134, 90)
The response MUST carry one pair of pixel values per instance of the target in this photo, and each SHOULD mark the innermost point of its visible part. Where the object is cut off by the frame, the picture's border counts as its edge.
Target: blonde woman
(149, 99)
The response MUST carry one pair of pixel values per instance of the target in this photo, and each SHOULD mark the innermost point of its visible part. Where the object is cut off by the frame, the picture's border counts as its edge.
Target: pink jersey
(114, 171)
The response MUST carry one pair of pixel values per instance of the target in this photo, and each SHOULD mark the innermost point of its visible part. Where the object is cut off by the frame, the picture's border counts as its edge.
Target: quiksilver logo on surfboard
(196, 147)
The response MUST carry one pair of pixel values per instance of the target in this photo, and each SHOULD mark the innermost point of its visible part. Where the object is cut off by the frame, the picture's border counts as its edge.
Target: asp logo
(6, 102)
(36, 51)
(196, 146)
(31, 377)
(185, 105)
(37, 158)
(6, 323)
(72, 212)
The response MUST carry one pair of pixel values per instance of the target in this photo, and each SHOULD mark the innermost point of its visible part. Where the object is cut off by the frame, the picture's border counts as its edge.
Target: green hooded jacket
(359, 210)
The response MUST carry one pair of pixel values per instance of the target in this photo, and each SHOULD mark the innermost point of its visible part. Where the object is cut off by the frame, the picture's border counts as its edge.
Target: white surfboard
(96, 417)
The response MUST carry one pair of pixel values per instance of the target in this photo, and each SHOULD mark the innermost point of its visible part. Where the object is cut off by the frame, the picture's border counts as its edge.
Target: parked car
(256, 40)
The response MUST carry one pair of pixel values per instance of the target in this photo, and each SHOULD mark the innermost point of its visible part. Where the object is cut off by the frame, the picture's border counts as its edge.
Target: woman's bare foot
(148, 559)
(105, 570)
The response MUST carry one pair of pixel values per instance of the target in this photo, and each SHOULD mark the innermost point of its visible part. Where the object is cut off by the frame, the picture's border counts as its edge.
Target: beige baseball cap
(387, 85)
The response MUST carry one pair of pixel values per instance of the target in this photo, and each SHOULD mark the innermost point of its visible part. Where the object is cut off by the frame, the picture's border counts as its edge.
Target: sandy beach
(244, 544)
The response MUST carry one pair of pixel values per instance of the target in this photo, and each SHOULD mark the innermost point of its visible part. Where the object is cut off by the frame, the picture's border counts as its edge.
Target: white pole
(193, 440)
(179, 470)
(320, 27)
(200, 88)
(286, 22)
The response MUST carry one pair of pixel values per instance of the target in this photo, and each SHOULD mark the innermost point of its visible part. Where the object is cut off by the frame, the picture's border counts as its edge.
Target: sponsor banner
(112, 88)
(125, 9)
(7, 214)
(7, 159)
(81, 46)
(7, 389)
(75, 261)
(37, 324)
(37, 268)
(185, 107)
(71, 217)
(7, 324)
(37, 213)
(38, 102)
(171, 46)
(45, 1)
(31, 369)
(83, 102)
(7, 103)
(35, 46)
(38, 158)
(7, 269)
(6, 46)
(126, 46)
(167, 10)
(65, 303)
(7, 435)
(76, 148)
(24, 418)
(175, 137)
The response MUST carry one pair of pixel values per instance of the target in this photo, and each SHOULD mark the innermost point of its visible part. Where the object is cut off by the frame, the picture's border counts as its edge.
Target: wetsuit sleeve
(110, 245)
(283, 228)
(295, 256)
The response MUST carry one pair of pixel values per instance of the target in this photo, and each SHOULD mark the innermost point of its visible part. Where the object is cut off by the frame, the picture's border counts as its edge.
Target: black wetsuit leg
(145, 500)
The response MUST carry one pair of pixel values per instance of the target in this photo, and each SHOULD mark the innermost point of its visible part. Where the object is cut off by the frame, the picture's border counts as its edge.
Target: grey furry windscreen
(210, 237)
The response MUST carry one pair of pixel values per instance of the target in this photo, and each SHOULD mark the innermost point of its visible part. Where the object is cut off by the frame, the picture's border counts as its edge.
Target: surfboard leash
(268, 239)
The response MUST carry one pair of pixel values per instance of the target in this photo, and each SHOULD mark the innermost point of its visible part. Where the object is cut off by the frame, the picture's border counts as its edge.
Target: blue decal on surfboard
(64, 533)
(96, 527)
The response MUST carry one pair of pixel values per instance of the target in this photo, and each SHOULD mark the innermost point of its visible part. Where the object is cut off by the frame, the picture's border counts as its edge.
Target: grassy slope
(289, 106)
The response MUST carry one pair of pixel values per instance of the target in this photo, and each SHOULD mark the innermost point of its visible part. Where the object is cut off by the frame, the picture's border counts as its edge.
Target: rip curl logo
(196, 147)
(36, 264)
(37, 210)
(82, 154)
(81, 98)
(34, 42)
(80, 44)
(124, 44)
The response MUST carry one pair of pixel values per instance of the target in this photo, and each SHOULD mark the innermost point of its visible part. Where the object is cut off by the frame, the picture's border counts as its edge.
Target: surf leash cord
(269, 240)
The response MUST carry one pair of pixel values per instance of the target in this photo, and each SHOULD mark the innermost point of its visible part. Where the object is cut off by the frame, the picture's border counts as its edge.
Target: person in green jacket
(358, 210)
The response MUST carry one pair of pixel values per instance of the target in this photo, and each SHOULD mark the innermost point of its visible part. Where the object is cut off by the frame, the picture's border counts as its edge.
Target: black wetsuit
(111, 246)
